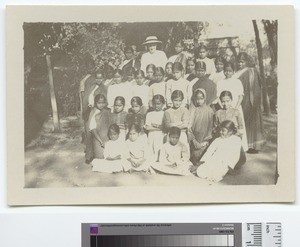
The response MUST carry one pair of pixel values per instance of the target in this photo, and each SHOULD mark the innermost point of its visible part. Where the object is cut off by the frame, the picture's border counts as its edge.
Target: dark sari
(251, 106)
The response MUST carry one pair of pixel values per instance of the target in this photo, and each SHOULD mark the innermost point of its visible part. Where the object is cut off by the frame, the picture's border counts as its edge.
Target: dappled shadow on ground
(57, 160)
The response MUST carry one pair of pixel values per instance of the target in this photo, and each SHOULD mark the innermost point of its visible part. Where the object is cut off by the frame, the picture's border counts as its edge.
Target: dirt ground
(57, 160)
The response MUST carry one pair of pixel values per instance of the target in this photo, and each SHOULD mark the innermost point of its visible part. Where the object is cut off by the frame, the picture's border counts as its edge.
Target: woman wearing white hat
(153, 56)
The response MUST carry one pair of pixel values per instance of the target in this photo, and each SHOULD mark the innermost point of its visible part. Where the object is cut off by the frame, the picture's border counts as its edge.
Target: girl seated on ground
(222, 155)
(137, 150)
(174, 156)
(114, 154)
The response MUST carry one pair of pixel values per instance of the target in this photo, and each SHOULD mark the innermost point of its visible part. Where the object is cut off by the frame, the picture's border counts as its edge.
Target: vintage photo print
(150, 105)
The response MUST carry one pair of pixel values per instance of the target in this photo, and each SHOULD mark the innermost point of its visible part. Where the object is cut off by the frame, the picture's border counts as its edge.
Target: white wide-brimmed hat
(152, 40)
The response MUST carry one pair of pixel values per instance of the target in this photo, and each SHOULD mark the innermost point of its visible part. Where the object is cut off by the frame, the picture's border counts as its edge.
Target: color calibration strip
(163, 241)
(259, 234)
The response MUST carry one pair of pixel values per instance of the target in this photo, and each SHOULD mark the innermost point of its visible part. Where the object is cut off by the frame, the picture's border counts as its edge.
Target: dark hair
(135, 127)
(139, 72)
(118, 71)
(197, 50)
(98, 97)
(99, 71)
(129, 71)
(229, 65)
(200, 65)
(244, 56)
(177, 94)
(179, 41)
(137, 99)
(128, 48)
(195, 93)
(120, 98)
(168, 64)
(107, 70)
(158, 97)
(160, 70)
(151, 66)
(219, 60)
(174, 131)
(226, 93)
(177, 66)
(115, 128)
(229, 125)
(191, 59)
(203, 47)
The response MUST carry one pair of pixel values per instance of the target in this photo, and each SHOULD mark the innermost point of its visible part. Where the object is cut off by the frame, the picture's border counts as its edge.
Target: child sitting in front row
(222, 155)
(137, 150)
(114, 154)
(174, 156)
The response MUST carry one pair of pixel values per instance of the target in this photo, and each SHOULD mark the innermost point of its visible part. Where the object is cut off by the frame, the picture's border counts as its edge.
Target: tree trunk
(271, 31)
(266, 101)
(52, 95)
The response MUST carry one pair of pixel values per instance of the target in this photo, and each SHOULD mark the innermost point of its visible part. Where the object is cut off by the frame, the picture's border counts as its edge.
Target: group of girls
(179, 119)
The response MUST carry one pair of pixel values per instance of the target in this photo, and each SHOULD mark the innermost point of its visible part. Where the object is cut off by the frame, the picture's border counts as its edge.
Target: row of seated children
(133, 154)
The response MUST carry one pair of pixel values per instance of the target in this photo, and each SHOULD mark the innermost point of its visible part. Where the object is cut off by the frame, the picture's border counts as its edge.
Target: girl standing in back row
(178, 83)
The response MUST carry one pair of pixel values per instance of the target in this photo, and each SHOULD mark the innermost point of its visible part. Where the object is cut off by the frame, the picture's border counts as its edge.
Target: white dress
(172, 85)
(157, 88)
(158, 58)
(121, 89)
(138, 150)
(169, 155)
(111, 150)
(155, 137)
(234, 86)
(217, 76)
(222, 154)
(142, 91)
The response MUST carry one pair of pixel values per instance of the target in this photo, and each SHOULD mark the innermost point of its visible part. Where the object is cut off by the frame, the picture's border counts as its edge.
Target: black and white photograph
(151, 103)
